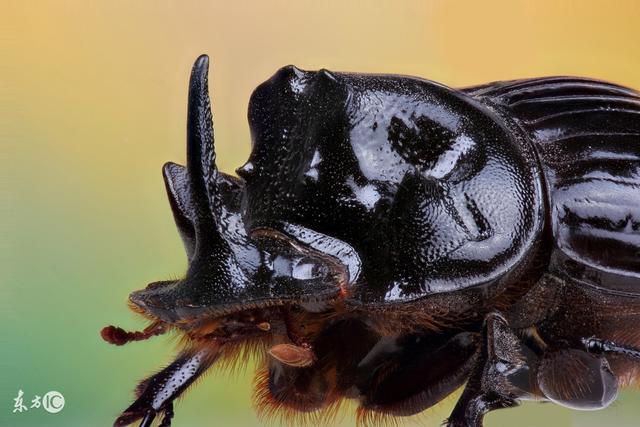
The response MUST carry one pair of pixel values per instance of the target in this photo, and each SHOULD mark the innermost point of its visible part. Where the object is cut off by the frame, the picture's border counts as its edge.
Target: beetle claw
(128, 417)
(168, 416)
(148, 419)
(156, 394)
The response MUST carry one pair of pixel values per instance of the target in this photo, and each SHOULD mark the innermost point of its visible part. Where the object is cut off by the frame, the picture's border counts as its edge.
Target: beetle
(391, 239)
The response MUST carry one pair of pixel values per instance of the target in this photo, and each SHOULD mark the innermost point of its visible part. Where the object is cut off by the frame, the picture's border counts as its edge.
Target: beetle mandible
(391, 239)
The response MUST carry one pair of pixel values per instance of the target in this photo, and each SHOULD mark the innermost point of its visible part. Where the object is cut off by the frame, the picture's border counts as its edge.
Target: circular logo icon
(53, 402)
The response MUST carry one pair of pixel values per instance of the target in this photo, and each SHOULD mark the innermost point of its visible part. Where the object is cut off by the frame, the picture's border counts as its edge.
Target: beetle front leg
(156, 394)
(489, 386)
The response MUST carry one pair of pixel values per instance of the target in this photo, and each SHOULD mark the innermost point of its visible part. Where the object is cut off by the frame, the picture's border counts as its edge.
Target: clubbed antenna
(118, 336)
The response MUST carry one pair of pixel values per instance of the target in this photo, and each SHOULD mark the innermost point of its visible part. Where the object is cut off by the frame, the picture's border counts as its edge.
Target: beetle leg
(148, 419)
(490, 386)
(157, 393)
(576, 379)
(404, 377)
(168, 416)
(600, 347)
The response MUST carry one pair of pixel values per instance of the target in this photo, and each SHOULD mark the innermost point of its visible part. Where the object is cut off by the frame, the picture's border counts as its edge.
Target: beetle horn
(201, 168)
(192, 191)
(176, 181)
(200, 152)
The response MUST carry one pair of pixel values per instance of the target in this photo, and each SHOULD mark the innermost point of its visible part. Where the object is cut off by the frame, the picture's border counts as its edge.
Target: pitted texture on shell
(430, 187)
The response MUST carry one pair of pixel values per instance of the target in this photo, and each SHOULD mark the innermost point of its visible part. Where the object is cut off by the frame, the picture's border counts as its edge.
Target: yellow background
(93, 103)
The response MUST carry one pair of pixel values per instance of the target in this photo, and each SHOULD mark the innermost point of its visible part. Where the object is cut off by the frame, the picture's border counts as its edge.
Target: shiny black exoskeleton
(390, 239)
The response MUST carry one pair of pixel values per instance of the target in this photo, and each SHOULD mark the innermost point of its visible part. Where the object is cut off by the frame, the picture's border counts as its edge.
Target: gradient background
(93, 99)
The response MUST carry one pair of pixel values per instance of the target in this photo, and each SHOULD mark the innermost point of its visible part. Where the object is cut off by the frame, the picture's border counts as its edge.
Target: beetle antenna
(118, 336)
(599, 346)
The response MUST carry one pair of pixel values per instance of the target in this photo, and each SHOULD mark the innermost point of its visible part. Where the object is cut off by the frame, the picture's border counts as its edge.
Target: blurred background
(93, 102)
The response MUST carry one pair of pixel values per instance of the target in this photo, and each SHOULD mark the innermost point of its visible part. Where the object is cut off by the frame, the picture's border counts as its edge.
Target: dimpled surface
(434, 190)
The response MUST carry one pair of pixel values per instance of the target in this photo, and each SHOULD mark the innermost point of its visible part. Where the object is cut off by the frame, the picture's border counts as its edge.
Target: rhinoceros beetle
(391, 239)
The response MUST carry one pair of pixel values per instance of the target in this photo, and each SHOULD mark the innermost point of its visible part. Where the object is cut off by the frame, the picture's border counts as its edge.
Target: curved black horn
(200, 151)
(201, 156)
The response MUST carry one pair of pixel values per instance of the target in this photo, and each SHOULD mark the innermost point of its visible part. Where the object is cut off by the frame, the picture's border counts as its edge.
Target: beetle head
(230, 271)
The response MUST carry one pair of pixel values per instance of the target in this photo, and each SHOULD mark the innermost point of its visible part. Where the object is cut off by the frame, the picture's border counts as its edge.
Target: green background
(93, 103)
